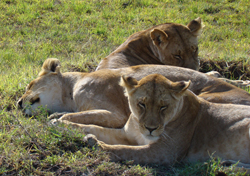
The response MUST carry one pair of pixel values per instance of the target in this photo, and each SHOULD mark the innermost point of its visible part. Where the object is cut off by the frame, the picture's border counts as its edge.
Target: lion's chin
(29, 112)
(151, 137)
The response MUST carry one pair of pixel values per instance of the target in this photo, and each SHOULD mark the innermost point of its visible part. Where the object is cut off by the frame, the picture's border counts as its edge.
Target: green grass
(81, 33)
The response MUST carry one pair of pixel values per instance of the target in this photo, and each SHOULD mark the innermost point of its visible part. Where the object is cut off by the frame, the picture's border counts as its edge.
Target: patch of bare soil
(88, 67)
(231, 70)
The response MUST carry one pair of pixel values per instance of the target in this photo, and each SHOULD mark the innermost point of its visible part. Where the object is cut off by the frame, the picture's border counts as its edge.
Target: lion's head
(154, 101)
(46, 90)
(178, 44)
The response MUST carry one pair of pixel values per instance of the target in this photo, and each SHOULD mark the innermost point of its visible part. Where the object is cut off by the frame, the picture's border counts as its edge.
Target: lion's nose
(150, 129)
(19, 104)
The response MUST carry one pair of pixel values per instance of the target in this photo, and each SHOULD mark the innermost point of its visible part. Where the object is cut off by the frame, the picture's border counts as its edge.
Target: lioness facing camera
(169, 123)
(97, 98)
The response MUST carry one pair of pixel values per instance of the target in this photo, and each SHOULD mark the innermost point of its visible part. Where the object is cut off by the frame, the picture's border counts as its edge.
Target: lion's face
(154, 101)
(178, 44)
(43, 91)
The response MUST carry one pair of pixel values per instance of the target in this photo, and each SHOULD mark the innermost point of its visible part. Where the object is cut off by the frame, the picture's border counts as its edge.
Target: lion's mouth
(152, 137)
(27, 111)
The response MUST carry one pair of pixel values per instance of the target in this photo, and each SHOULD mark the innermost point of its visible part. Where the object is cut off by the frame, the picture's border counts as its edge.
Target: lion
(97, 98)
(164, 44)
(169, 123)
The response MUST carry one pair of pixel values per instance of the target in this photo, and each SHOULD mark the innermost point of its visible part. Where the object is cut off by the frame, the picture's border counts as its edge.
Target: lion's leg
(237, 163)
(244, 84)
(102, 118)
(57, 115)
(143, 154)
(107, 135)
(238, 83)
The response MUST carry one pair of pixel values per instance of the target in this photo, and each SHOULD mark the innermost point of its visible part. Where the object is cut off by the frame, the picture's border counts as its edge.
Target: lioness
(169, 123)
(165, 44)
(97, 98)
(168, 44)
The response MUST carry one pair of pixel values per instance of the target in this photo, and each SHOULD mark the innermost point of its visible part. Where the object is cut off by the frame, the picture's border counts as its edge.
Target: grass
(81, 33)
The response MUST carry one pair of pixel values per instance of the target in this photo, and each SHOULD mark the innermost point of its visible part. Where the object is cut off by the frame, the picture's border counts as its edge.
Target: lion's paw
(90, 139)
(54, 122)
(214, 74)
(57, 115)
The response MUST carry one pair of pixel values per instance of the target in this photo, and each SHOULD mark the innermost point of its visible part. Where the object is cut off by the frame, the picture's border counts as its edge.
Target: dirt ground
(232, 70)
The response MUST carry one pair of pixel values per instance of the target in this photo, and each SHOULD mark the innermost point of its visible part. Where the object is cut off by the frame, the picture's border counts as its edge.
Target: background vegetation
(80, 33)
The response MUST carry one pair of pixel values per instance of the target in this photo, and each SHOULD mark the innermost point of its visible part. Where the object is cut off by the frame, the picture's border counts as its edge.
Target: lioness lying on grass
(165, 44)
(169, 123)
(97, 98)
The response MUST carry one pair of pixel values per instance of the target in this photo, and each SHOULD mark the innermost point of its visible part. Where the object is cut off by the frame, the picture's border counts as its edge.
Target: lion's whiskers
(167, 139)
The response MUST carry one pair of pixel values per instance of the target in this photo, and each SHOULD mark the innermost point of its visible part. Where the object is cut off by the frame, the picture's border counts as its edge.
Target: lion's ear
(128, 83)
(159, 37)
(180, 87)
(195, 26)
(50, 65)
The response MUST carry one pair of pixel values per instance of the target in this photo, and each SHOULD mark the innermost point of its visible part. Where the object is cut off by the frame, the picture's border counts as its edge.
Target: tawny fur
(165, 44)
(169, 123)
(97, 98)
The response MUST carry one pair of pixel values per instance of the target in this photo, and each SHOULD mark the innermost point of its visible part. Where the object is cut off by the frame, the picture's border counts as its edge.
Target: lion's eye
(142, 105)
(163, 108)
(34, 101)
(178, 57)
(195, 49)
